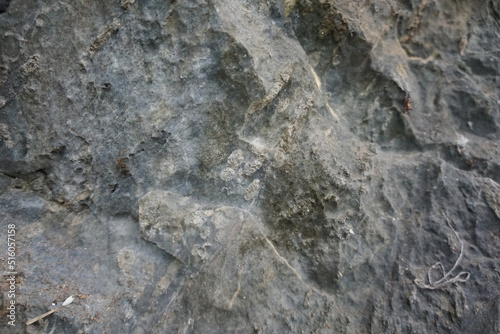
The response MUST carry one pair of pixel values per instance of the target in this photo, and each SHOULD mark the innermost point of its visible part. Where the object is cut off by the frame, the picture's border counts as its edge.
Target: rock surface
(235, 166)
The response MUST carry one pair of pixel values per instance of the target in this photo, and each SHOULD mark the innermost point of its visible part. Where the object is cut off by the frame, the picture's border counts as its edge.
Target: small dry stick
(32, 321)
(447, 277)
(121, 163)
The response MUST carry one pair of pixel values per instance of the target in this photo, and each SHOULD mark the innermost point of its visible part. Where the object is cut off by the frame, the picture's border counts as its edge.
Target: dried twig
(447, 277)
(32, 321)
(68, 301)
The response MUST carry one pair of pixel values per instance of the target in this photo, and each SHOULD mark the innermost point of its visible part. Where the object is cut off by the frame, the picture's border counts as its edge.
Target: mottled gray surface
(237, 166)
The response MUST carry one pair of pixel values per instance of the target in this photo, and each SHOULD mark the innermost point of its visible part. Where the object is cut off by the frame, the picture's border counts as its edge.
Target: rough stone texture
(236, 166)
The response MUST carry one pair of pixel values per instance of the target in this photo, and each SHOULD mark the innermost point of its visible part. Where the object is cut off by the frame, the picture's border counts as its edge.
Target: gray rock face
(233, 166)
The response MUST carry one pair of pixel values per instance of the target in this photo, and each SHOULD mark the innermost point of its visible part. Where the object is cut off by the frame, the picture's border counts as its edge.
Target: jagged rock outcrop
(229, 166)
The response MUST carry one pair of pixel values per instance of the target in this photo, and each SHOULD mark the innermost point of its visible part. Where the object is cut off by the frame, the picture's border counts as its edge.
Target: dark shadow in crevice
(4, 5)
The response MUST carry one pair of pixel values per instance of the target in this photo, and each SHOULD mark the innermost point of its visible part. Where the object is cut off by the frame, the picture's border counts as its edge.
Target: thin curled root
(447, 277)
